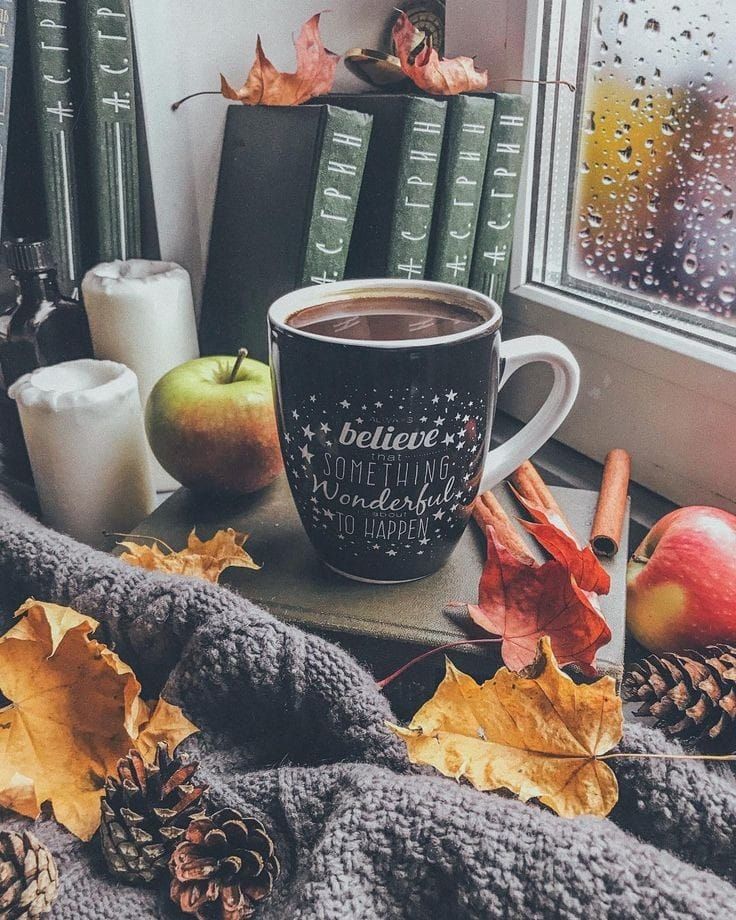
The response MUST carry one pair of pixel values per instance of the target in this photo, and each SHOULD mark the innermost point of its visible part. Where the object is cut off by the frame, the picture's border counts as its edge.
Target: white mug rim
(294, 302)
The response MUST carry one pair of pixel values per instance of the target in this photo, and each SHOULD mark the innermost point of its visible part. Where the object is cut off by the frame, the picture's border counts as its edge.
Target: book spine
(7, 48)
(51, 32)
(462, 169)
(339, 173)
(492, 250)
(416, 184)
(111, 128)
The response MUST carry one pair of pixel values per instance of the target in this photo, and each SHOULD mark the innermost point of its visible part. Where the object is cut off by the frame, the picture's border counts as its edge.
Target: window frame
(633, 352)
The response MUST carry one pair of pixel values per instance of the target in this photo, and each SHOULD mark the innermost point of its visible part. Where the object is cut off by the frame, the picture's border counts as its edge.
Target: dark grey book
(286, 196)
(294, 586)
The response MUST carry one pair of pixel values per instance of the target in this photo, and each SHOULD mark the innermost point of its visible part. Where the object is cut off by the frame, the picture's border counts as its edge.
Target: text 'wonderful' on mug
(385, 396)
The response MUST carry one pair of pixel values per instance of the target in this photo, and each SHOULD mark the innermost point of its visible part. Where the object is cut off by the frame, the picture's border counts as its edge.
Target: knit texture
(293, 732)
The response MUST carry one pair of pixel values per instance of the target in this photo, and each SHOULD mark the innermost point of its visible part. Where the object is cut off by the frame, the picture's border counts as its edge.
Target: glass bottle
(42, 327)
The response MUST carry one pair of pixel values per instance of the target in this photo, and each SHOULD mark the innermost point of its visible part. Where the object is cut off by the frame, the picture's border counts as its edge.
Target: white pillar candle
(83, 426)
(141, 314)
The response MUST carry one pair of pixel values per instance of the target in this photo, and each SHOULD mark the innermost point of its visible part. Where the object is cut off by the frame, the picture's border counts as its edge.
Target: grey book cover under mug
(295, 586)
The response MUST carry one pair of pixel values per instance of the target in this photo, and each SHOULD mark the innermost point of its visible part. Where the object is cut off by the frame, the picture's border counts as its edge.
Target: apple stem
(242, 353)
(637, 558)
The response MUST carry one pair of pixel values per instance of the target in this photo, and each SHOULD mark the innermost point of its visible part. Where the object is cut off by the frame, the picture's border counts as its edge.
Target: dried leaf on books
(205, 559)
(522, 601)
(265, 85)
(554, 535)
(423, 65)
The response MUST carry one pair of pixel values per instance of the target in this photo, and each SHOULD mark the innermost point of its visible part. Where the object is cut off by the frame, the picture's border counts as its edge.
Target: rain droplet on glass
(727, 294)
(690, 263)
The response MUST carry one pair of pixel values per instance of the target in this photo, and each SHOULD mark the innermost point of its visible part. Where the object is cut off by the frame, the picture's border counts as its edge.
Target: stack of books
(359, 186)
(70, 124)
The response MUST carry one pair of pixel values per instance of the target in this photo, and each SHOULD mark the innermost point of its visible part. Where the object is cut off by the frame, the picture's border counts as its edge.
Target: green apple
(211, 424)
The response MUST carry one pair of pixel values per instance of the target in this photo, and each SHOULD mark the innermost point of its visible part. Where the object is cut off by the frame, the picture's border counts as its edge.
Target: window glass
(655, 202)
(641, 210)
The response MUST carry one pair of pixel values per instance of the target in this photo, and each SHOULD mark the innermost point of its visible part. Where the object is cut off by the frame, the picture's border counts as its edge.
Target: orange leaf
(551, 531)
(265, 85)
(205, 559)
(537, 734)
(75, 710)
(422, 64)
(522, 601)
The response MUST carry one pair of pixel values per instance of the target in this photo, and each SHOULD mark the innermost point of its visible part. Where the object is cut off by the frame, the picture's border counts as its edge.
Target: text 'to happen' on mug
(385, 396)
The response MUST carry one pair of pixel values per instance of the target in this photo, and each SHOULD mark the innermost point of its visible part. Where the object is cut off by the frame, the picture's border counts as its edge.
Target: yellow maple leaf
(75, 710)
(206, 559)
(536, 733)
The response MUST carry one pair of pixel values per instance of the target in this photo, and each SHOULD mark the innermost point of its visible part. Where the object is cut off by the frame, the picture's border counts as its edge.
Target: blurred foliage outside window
(655, 177)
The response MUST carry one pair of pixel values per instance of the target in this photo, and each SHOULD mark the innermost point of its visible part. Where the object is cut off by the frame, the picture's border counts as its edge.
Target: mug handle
(503, 460)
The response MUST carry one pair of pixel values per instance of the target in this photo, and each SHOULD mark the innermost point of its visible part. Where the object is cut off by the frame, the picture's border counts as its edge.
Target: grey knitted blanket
(293, 732)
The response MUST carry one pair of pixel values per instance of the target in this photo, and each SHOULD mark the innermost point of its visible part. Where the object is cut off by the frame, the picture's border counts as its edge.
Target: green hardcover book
(340, 171)
(286, 196)
(110, 117)
(51, 32)
(462, 169)
(394, 218)
(492, 250)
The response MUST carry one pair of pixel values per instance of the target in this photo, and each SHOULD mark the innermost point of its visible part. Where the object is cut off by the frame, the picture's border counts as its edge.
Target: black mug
(386, 442)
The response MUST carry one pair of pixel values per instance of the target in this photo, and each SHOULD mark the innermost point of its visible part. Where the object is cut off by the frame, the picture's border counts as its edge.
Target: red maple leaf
(554, 535)
(423, 65)
(523, 601)
(265, 85)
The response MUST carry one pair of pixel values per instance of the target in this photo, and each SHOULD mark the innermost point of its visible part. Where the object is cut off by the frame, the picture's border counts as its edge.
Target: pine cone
(28, 877)
(223, 868)
(692, 695)
(145, 812)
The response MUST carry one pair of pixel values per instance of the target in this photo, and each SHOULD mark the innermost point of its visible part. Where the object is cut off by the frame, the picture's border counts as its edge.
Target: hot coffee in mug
(385, 395)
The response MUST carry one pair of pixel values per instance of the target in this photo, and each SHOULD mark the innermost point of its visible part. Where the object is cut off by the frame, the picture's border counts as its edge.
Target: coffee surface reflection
(385, 319)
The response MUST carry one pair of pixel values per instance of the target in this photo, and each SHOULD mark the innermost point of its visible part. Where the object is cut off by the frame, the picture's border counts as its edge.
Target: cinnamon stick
(530, 485)
(605, 536)
(488, 512)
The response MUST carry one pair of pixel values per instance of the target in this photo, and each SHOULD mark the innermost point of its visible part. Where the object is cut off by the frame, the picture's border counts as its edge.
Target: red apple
(681, 581)
(213, 433)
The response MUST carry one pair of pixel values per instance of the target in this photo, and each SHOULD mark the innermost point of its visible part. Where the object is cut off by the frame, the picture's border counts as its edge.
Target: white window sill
(669, 400)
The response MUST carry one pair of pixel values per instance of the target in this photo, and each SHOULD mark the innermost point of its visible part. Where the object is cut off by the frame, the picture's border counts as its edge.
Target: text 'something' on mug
(385, 396)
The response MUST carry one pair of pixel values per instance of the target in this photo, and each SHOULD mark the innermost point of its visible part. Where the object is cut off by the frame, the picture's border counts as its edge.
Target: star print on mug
(385, 393)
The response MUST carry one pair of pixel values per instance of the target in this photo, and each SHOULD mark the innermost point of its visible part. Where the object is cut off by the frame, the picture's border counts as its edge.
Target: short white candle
(83, 426)
(141, 314)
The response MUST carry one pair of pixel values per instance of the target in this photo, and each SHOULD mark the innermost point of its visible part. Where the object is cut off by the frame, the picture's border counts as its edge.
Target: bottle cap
(28, 256)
